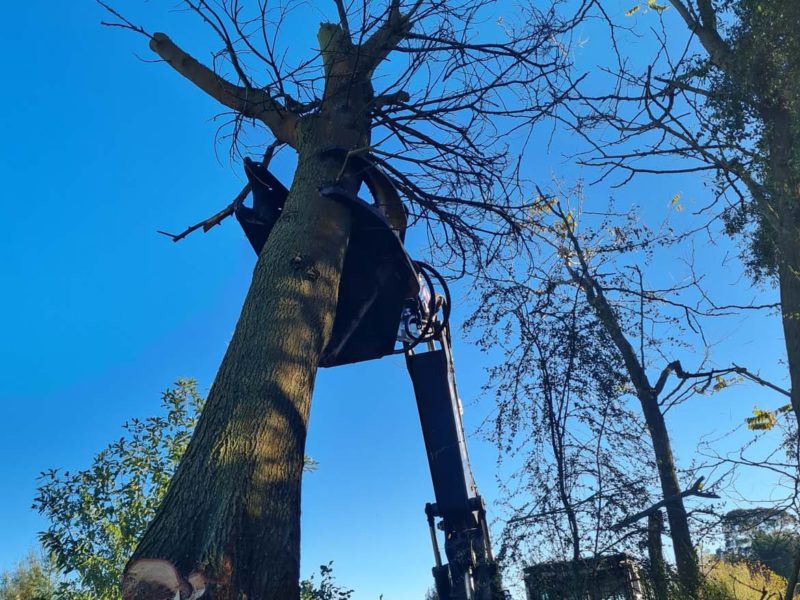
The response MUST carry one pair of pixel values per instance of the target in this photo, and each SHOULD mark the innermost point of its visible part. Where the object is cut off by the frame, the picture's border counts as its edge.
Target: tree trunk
(791, 585)
(783, 211)
(229, 526)
(685, 556)
(655, 552)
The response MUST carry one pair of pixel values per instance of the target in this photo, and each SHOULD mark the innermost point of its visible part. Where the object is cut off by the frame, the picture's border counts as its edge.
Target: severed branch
(216, 219)
(695, 490)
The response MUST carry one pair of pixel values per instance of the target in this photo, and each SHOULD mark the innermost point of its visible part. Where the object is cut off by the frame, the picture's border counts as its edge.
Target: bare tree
(590, 269)
(720, 95)
(580, 459)
(229, 524)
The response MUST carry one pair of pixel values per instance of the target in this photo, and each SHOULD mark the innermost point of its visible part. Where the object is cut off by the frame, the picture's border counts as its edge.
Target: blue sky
(99, 314)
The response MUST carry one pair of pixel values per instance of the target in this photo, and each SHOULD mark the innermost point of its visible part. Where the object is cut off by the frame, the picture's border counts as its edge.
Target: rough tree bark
(782, 210)
(229, 525)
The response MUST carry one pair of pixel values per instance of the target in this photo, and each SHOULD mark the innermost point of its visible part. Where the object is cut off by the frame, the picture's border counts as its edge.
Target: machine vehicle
(606, 577)
(385, 300)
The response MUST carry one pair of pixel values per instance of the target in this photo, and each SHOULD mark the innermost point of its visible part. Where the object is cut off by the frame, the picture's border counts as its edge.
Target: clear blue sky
(99, 314)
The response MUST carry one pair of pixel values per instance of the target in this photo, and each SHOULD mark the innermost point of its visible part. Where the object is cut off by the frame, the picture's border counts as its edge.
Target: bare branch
(695, 490)
(253, 103)
(207, 224)
(343, 17)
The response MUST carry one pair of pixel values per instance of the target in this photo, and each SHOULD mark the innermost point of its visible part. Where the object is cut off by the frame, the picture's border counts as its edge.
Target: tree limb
(676, 368)
(695, 490)
(253, 103)
(706, 31)
(216, 219)
(386, 38)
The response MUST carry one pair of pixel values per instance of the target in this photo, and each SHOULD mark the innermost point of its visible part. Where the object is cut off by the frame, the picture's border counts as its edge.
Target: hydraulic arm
(470, 572)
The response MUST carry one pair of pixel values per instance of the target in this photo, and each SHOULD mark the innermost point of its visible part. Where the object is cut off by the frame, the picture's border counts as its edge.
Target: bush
(741, 580)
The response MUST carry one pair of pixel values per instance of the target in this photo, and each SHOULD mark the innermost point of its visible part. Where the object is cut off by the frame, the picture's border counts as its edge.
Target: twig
(226, 212)
(125, 24)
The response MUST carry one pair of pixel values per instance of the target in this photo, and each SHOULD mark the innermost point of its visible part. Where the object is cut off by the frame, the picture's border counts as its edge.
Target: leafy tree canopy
(33, 578)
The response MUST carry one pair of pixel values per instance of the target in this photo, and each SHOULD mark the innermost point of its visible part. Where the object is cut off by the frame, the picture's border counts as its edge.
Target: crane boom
(470, 572)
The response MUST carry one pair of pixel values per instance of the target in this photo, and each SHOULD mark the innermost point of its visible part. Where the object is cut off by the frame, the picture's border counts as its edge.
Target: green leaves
(326, 589)
(98, 514)
(33, 578)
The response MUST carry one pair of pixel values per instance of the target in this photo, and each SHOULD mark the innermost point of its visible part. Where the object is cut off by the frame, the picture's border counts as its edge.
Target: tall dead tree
(229, 526)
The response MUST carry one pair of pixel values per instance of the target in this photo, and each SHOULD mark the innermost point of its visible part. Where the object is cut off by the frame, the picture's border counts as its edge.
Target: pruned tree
(229, 524)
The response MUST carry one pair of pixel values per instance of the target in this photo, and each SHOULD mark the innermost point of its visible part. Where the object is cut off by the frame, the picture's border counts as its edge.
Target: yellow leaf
(653, 5)
(569, 218)
(762, 420)
(632, 11)
(676, 198)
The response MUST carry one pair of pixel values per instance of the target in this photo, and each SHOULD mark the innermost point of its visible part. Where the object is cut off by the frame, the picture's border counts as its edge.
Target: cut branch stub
(253, 103)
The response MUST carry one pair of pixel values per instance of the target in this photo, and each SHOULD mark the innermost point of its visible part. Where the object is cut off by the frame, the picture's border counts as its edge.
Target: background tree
(727, 580)
(230, 518)
(579, 461)
(98, 514)
(719, 93)
(326, 589)
(777, 551)
(715, 91)
(33, 578)
(583, 318)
